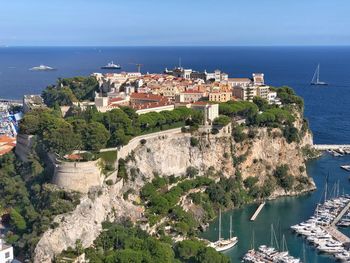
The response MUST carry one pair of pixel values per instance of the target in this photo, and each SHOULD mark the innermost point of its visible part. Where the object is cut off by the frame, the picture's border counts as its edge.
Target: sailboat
(224, 244)
(316, 78)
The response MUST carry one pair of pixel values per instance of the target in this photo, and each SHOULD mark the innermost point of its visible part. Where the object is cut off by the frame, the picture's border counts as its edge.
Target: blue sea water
(326, 107)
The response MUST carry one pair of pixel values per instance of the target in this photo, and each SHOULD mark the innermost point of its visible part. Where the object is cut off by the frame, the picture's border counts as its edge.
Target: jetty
(341, 214)
(11, 102)
(336, 234)
(258, 210)
(324, 147)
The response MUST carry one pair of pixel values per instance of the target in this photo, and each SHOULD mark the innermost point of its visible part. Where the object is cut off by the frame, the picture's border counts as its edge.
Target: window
(7, 254)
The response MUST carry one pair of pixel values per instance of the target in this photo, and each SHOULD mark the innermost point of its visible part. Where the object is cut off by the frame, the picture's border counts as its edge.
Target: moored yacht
(224, 244)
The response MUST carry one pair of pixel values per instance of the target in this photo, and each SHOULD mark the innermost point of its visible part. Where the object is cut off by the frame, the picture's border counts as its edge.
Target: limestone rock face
(172, 155)
(166, 155)
(85, 222)
(270, 149)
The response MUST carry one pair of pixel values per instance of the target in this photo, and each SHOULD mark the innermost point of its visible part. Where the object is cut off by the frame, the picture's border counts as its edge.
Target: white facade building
(6, 252)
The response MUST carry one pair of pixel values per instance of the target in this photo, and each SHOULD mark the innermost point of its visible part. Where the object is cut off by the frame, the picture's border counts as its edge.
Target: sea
(326, 107)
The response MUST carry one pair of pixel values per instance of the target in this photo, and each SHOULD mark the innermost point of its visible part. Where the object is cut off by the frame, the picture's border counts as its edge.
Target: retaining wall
(78, 176)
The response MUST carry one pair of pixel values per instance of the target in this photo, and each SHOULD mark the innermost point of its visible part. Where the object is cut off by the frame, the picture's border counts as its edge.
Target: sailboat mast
(253, 240)
(318, 73)
(271, 241)
(326, 188)
(220, 224)
(230, 227)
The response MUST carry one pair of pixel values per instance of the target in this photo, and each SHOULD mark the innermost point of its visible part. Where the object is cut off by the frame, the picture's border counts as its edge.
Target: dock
(336, 234)
(324, 147)
(258, 210)
(341, 214)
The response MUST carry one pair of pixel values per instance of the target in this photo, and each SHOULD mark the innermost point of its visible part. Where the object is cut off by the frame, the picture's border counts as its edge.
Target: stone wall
(78, 176)
(24, 146)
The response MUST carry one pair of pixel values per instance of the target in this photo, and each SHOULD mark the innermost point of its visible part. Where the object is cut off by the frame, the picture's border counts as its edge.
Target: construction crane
(138, 66)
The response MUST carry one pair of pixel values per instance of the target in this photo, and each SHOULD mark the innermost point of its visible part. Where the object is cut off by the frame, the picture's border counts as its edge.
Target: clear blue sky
(179, 22)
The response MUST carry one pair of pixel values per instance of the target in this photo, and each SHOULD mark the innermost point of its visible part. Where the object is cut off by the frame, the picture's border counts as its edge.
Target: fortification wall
(24, 146)
(78, 176)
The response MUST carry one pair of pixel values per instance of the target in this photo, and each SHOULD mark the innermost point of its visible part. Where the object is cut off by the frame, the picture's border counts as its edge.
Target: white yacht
(42, 68)
(316, 78)
(224, 244)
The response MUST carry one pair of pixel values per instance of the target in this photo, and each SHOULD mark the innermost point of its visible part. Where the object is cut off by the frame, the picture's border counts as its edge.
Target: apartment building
(220, 96)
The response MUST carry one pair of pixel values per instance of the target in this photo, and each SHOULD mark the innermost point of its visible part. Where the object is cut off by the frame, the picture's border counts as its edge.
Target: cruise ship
(111, 65)
(42, 68)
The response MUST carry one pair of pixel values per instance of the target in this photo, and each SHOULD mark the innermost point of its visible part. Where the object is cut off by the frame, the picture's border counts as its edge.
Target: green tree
(17, 220)
(261, 103)
(95, 137)
(209, 255)
(222, 120)
(62, 140)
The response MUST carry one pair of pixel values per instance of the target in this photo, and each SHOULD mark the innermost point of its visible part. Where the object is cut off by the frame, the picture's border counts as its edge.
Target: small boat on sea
(42, 68)
(345, 167)
(111, 65)
(316, 78)
(224, 244)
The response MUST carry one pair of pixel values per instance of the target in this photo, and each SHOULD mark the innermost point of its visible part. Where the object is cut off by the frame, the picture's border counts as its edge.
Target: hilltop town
(163, 151)
(175, 88)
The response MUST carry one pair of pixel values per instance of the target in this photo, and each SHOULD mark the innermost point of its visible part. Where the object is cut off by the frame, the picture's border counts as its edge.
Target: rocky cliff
(171, 154)
(85, 222)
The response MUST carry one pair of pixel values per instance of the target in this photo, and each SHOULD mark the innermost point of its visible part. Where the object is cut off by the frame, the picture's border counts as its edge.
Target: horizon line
(136, 46)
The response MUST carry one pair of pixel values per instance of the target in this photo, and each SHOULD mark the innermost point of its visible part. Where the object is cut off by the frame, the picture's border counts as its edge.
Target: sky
(174, 23)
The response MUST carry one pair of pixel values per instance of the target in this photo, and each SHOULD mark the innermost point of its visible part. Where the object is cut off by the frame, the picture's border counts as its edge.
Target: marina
(320, 229)
(266, 254)
(285, 212)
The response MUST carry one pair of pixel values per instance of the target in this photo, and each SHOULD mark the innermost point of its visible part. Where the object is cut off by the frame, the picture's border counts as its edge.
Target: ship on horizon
(111, 65)
(42, 68)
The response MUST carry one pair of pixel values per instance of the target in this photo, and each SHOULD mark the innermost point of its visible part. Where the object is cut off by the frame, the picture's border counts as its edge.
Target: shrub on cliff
(238, 134)
(288, 96)
(196, 251)
(194, 142)
(32, 202)
(285, 180)
(222, 120)
(70, 90)
(238, 108)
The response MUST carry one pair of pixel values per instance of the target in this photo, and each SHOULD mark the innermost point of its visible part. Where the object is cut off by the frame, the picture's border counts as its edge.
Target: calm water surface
(283, 213)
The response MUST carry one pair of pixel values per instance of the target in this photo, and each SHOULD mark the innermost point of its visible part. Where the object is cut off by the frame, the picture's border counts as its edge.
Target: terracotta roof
(192, 92)
(150, 105)
(240, 79)
(4, 150)
(7, 139)
(146, 96)
(7, 143)
(201, 103)
(73, 157)
(115, 99)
